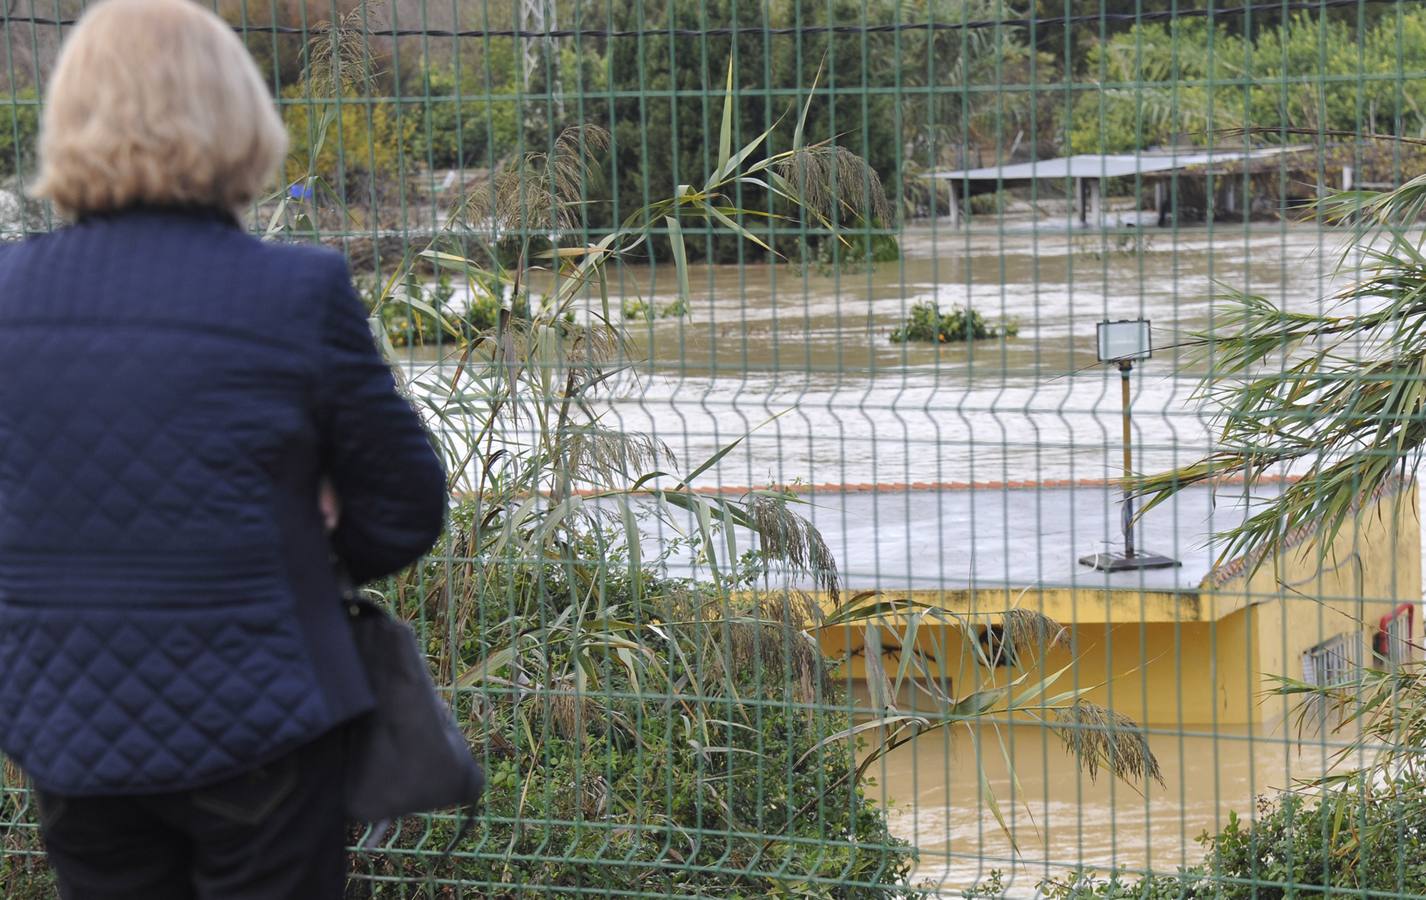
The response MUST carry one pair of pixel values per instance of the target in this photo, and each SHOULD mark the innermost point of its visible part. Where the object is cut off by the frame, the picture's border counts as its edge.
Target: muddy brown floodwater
(1064, 819)
(799, 362)
(854, 407)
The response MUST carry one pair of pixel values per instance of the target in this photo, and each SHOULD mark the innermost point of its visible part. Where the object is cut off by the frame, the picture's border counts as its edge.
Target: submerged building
(1201, 642)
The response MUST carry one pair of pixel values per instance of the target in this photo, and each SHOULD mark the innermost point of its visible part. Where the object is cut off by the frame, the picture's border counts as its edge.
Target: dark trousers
(275, 833)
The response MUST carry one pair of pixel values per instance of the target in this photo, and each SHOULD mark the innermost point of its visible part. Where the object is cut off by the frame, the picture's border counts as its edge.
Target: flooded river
(799, 361)
(813, 349)
(1064, 819)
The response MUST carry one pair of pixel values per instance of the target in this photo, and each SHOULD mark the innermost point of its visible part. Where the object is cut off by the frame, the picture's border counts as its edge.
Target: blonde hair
(156, 102)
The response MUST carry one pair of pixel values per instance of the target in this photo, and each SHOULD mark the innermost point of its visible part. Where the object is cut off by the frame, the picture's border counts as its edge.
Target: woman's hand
(330, 506)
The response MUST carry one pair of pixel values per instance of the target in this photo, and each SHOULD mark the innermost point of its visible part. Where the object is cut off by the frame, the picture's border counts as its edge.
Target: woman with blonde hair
(175, 665)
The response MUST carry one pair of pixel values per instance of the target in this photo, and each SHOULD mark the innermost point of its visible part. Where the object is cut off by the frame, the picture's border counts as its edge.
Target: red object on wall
(1381, 641)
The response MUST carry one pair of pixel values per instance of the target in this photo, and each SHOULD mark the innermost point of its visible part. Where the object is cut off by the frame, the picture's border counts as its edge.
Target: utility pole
(537, 20)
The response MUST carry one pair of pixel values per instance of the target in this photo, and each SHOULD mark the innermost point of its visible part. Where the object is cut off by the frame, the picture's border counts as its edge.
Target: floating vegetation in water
(927, 323)
(646, 311)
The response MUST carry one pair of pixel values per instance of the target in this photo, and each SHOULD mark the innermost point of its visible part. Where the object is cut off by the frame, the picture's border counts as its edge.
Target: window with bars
(1335, 661)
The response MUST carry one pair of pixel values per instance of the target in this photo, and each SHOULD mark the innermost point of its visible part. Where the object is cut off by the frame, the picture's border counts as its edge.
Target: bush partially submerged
(648, 311)
(1298, 846)
(417, 313)
(927, 323)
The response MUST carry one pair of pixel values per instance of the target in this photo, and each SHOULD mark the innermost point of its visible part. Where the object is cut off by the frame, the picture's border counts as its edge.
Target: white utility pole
(537, 17)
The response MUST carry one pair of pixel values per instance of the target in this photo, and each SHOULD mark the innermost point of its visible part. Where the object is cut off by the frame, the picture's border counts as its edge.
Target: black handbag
(407, 755)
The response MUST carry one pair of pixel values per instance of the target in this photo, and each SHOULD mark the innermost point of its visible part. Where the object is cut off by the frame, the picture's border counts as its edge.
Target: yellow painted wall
(1185, 659)
(1154, 673)
(1309, 595)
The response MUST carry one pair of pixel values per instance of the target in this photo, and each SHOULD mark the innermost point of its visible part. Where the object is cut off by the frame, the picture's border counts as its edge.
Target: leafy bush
(24, 872)
(645, 311)
(407, 316)
(859, 252)
(1186, 81)
(641, 735)
(343, 142)
(1297, 846)
(467, 133)
(1085, 885)
(927, 323)
(19, 129)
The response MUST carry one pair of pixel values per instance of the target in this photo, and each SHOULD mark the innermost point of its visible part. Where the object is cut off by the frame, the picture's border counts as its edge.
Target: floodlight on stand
(1123, 343)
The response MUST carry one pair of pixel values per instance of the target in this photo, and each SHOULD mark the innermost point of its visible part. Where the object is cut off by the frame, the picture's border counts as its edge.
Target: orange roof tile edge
(899, 487)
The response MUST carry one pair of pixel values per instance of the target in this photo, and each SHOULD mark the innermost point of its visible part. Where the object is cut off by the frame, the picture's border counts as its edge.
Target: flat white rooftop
(993, 536)
(1114, 165)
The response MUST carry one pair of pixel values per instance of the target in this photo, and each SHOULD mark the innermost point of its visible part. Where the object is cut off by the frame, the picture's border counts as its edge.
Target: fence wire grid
(897, 447)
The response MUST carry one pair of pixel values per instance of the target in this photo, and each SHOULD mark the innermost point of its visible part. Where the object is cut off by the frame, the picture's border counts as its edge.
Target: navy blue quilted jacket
(172, 392)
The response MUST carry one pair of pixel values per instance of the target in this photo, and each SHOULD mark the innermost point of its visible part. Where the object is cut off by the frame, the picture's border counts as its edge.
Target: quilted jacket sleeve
(388, 479)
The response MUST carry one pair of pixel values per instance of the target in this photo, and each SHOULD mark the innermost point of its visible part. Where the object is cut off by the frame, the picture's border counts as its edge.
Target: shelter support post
(1090, 203)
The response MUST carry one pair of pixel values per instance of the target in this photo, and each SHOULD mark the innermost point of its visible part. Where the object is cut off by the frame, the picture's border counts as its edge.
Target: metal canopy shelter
(1088, 170)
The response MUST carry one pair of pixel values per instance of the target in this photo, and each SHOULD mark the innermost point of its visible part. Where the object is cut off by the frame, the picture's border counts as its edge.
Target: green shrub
(859, 252)
(1157, 82)
(24, 872)
(645, 311)
(1297, 846)
(343, 142)
(466, 133)
(19, 129)
(927, 323)
(650, 818)
(407, 324)
(1085, 885)
(988, 203)
(641, 735)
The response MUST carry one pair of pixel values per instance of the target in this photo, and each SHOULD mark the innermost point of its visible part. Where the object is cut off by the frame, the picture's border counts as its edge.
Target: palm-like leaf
(1334, 397)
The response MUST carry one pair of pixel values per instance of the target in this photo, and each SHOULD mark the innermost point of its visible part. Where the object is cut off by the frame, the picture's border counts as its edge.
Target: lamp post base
(1118, 562)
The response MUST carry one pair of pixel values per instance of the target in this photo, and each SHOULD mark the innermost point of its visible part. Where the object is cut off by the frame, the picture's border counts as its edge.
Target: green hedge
(1297, 846)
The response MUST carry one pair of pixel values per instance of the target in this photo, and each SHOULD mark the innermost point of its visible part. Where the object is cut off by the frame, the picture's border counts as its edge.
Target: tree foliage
(1189, 80)
(19, 128)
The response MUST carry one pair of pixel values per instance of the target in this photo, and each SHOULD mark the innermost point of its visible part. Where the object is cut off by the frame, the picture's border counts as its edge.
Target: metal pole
(1125, 366)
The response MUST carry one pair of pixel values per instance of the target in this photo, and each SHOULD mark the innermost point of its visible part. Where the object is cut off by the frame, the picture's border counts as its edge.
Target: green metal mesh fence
(761, 341)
